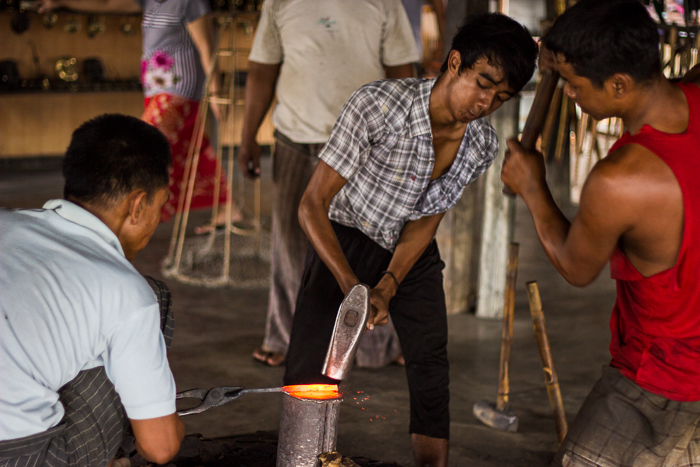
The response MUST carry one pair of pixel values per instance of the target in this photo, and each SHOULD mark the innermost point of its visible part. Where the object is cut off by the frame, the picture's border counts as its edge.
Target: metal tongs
(216, 397)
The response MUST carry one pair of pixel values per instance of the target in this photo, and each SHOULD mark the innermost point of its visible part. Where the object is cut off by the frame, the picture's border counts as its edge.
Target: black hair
(599, 38)
(504, 42)
(113, 155)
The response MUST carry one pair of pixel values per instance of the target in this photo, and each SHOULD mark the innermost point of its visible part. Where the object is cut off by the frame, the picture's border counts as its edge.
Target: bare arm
(578, 250)
(158, 439)
(259, 92)
(313, 217)
(692, 76)
(201, 31)
(414, 239)
(325, 183)
(90, 6)
(407, 70)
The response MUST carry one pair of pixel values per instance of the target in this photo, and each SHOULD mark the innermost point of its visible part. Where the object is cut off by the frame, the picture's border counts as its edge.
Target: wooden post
(498, 220)
(550, 374)
(457, 238)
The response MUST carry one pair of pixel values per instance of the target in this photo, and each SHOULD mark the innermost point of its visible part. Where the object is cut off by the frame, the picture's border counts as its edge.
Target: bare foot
(268, 358)
(236, 216)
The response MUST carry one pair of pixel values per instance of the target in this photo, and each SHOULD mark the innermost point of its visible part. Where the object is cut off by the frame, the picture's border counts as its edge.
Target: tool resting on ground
(550, 375)
(216, 397)
(499, 416)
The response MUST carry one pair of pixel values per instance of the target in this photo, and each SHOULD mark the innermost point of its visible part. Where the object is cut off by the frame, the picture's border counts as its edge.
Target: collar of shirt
(419, 115)
(74, 213)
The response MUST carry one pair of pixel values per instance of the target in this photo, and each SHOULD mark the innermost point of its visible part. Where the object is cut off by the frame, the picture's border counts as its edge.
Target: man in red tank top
(639, 209)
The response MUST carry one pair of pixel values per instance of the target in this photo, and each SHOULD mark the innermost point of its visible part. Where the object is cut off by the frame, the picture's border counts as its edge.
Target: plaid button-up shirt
(383, 146)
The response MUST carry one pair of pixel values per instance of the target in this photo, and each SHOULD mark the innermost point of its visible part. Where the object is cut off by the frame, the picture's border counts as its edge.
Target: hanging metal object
(237, 255)
(95, 25)
(67, 69)
(49, 20)
(73, 25)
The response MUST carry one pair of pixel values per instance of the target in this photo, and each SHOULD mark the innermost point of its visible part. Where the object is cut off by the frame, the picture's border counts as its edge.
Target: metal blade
(349, 325)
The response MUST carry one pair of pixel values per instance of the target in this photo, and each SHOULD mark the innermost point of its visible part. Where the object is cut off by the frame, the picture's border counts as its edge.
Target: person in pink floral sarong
(177, 49)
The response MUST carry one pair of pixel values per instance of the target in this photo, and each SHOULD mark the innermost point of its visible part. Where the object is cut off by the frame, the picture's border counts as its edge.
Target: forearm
(313, 218)
(158, 439)
(414, 239)
(202, 33)
(692, 76)
(259, 93)
(551, 226)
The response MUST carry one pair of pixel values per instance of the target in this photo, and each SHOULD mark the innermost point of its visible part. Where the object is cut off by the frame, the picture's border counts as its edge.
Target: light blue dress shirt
(70, 301)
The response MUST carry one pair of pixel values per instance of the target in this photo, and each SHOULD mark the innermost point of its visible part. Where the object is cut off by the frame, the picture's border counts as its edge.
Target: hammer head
(489, 414)
(349, 324)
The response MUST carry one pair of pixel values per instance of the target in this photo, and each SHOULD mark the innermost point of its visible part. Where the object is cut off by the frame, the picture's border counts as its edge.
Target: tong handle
(193, 393)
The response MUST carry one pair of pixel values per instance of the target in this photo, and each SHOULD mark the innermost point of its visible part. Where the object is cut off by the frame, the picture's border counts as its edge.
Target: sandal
(268, 358)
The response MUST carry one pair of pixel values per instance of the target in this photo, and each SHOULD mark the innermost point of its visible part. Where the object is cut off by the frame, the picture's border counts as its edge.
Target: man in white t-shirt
(314, 54)
(83, 337)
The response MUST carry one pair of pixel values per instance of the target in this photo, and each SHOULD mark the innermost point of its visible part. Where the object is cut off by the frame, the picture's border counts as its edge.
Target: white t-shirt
(71, 301)
(328, 49)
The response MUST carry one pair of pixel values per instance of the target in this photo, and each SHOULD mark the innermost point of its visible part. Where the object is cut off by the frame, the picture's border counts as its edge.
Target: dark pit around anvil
(249, 450)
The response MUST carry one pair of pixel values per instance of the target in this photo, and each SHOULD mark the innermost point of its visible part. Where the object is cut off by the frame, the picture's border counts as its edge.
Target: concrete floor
(217, 329)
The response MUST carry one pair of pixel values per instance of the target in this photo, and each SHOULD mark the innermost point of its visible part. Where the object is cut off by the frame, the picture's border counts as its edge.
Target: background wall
(39, 123)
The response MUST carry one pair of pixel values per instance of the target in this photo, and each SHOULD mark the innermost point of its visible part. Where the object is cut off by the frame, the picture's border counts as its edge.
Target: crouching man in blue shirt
(83, 336)
(400, 155)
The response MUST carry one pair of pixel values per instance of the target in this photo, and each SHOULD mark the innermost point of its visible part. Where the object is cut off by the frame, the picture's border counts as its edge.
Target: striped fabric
(293, 165)
(164, 28)
(382, 145)
(94, 424)
(622, 425)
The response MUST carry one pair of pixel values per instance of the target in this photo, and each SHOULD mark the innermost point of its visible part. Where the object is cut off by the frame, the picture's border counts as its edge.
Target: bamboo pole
(563, 129)
(507, 333)
(226, 273)
(551, 120)
(550, 375)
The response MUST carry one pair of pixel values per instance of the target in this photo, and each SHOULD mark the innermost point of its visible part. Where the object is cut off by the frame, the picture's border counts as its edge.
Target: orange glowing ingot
(313, 391)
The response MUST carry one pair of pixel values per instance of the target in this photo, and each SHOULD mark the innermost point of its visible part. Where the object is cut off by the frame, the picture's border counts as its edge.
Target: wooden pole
(550, 375)
(538, 113)
(507, 333)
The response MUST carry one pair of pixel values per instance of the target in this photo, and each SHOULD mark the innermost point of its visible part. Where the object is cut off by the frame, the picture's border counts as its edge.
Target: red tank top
(656, 320)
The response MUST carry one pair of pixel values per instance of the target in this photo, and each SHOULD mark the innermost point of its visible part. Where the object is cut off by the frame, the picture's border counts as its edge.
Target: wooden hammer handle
(507, 334)
(538, 113)
(550, 375)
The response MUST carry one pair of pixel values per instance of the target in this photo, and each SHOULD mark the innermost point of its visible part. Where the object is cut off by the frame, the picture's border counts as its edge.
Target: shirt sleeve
(398, 42)
(359, 123)
(267, 44)
(195, 9)
(136, 363)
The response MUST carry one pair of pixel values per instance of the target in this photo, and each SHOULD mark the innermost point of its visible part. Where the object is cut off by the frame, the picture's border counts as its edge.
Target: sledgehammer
(499, 416)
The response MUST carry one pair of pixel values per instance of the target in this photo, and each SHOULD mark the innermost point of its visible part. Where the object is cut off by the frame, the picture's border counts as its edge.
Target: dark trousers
(95, 423)
(417, 310)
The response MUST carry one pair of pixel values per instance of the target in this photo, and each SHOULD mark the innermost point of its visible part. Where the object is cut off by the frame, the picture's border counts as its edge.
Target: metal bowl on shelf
(67, 69)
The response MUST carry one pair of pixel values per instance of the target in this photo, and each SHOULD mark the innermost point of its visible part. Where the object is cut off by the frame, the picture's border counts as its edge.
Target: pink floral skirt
(175, 116)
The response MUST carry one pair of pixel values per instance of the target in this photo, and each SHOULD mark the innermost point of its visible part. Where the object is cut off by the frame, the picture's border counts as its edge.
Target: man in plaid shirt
(400, 155)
